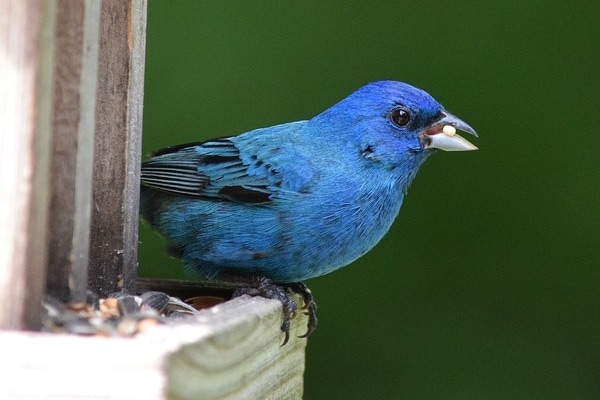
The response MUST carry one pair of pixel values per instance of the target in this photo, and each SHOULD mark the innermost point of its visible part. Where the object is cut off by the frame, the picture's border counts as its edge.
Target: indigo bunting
(297, 200)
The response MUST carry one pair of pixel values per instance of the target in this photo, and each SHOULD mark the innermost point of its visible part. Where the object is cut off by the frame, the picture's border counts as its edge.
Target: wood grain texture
(245, 360)
(76, 60)
(117, 151)
(26, 52)
(230, 351)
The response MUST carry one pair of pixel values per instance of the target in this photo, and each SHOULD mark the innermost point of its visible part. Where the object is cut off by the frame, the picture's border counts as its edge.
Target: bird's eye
(400, 117)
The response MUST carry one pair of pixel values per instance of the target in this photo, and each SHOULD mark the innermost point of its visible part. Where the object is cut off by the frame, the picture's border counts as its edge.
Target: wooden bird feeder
(71, 102)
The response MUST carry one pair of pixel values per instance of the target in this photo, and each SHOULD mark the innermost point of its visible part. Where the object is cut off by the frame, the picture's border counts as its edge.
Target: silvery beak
(442, 134)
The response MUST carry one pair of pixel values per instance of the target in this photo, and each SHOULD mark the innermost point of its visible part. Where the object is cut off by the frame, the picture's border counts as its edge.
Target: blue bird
(297, 200)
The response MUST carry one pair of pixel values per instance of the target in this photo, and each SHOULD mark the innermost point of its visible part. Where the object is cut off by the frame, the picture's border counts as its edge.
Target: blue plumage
(297, 200)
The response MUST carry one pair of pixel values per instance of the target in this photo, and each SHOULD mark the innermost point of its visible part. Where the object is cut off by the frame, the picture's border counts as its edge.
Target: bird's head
(396, 123)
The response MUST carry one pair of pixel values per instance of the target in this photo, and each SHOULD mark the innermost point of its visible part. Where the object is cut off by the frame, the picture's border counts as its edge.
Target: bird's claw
(309, 306)
(264, 287)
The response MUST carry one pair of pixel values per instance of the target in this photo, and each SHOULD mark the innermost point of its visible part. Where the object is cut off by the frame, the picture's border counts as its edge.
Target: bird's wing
(227, 169)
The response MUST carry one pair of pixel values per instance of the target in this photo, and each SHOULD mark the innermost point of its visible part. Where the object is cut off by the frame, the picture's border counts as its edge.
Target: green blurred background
(487, 286)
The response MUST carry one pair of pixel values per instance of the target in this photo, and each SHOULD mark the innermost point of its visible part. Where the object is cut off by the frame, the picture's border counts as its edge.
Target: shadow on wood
(117, 152)
(75, 76)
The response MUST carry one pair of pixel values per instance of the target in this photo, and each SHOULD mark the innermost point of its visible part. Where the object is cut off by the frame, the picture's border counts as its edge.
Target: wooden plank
(75, 70)
(117, 151)
(26, 52)
(230, 351)
(188, 288)
(245, 360)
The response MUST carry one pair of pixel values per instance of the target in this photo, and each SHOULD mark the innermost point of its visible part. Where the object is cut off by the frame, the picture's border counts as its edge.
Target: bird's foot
(264, 287)
(308, 308)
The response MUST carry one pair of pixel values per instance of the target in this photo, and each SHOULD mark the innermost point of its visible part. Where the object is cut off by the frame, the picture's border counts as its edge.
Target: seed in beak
(449, 130)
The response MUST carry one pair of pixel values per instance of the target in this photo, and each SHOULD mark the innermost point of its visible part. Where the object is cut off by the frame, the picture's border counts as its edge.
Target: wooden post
(75, 70)
(117, 152)
(26, 51)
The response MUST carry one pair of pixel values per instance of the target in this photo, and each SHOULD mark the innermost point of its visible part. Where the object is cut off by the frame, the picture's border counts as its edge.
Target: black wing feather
(211, 169)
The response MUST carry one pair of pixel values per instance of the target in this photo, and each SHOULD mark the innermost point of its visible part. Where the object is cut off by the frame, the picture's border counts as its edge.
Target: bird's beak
(442, 134)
